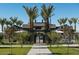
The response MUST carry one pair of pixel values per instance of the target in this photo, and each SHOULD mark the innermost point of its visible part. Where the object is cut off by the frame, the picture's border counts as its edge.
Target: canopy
(59, 31)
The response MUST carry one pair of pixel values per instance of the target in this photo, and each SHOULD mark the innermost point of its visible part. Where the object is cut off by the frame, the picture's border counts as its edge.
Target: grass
(15, 50)
(64, 50)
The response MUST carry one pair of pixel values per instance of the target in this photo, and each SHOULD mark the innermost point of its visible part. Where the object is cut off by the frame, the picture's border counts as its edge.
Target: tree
(13, 20)
(7, 23)
(47, 13)
(55, 37)
(74, 20)
(9, 34)
(19, 22)
(62, 21)
(59, 21)
(10, 23)
(32, 12)
(22, 37)
(69, 32)
(70, 22)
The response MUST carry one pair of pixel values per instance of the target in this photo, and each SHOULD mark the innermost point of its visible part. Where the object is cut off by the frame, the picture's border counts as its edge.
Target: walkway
(39, 49)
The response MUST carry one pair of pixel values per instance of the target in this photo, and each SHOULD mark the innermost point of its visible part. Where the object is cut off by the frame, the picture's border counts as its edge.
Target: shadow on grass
(57, 53)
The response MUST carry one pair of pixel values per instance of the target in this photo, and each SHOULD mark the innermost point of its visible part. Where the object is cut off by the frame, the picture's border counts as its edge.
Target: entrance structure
(38, 33)
(38, 30)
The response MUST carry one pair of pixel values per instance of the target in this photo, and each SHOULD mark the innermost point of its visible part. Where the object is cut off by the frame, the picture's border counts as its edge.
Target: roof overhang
(59, 31)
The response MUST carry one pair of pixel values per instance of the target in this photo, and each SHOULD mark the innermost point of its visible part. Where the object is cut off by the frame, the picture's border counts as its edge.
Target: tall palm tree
(32, 12)
(2, 22)
(46, 13)
(74, 20)
(70, 32)
(66, 31)
(19, 22)
(62, 21)
(13, 20)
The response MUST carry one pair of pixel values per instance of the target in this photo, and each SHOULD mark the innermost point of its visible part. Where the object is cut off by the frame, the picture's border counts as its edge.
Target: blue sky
(61, 10)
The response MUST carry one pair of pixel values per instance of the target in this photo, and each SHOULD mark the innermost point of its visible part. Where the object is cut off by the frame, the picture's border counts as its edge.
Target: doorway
(40, 38)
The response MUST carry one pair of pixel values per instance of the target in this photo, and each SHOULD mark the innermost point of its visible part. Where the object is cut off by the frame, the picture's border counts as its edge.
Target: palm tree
(10, 22)
(2, 22)
(71, 35)
(7, 23)
(46, 13)
(13, 20)
(74, 20)
(19, 22)
(32, 12)
(64, 20)
(59, 21)
(70, 22)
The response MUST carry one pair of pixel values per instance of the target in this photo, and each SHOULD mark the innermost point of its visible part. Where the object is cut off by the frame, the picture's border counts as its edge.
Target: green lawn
(64, 51)
(15, 50)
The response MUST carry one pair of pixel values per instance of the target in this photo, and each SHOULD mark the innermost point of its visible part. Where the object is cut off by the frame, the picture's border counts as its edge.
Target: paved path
(39, 49)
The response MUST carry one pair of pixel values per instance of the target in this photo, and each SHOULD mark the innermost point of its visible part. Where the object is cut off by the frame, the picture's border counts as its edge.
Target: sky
(69, 10)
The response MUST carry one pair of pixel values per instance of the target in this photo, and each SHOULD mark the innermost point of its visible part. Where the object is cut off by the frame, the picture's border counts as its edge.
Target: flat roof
(39, 24)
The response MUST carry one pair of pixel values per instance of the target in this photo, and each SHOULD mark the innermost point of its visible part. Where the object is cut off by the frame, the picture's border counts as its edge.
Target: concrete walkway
(39, 49)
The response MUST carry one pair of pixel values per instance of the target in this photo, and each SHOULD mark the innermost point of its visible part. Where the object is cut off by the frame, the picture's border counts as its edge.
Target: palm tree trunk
(47, 24)
(50, 32)
(2, 27)
(50, 20)
(47, 20)
(2, 31)
(64, 34)
(30, 24)
(75, 26)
